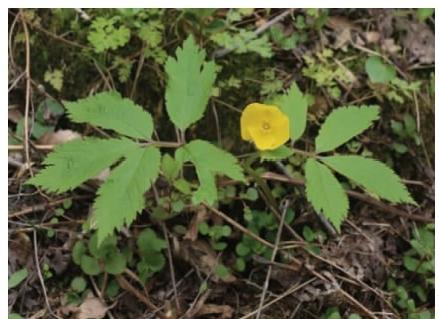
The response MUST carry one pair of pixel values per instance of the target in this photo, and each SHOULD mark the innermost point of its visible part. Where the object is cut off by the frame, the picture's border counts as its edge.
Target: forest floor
(381, 263)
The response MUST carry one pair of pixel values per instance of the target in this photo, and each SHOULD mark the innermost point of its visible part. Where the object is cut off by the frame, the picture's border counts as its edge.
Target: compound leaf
(343, 124)
(190, 82)
(295, 105)
(325, 193)
(120, 198)
(110, 110)
(374, 176)
(72, 163)
(209, 161)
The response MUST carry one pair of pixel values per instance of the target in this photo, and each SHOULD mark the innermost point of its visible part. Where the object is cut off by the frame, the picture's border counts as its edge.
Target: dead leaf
(372, 36)
(199, 217)
(58, 137)
(14, 114)
(342, 38)
(389, 45)
(339, 23)
(225, 311)
(419, 42)
(91, 308)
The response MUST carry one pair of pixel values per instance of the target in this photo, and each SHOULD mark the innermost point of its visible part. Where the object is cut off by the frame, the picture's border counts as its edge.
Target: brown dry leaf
(199, 217)
(58, 137)
(91, 308)
(389, 45)
(372, 36)
(343, 30)
(419, 42)
(340, 23)
(224, 311)
(14, 114)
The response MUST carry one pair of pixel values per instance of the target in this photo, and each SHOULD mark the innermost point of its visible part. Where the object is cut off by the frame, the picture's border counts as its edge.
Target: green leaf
(325, 193)
(190, 83)
(170, 167)
(14, 316)
(72, 163)
(78, 251)
(242, 250)
(424, 13)
(155, 260)
(209, 161)
(54, 78)
(295, 105)
(115, 263)
(17, 277)
(110, 110)
(107, 246)
(149, 241)
(374, 176)
(221, 271)
(90, 265)
(278, 154)
(343, 124)
(106, 35)
(378, 71)
(78, 284)
(121, 196)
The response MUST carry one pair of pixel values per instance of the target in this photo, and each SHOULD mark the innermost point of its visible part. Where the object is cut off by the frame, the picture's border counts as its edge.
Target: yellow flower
(265, 125)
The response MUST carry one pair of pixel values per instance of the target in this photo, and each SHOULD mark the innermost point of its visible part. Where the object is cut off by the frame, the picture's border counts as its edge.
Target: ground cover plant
(221, 163)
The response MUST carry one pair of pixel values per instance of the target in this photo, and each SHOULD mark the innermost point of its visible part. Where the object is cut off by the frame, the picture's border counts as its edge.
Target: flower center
(266, 126)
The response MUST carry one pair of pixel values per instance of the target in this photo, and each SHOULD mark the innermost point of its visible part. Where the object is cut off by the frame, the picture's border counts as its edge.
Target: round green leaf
(78, 284)
(90, 265)
(115, 263)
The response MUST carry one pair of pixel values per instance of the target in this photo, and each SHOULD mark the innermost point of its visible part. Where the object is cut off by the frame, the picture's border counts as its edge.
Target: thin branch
(40, 276)
(239, 226)
(285, 294)
(28, 87)
(125, 284)
(273, 257)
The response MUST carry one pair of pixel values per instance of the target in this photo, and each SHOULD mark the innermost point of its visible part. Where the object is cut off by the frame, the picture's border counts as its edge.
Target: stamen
(266, 125)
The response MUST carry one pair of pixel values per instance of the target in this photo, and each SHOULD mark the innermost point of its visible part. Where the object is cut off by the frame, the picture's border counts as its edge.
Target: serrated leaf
(105, 34)
(72, 163)
(295, 105)
(108, 246)
(120, 198)
(110, 110)
(278, 154)
(374, 176)
(209, 161)
(190, 83)
(325, 193)
(343, 124)
(170, 167)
